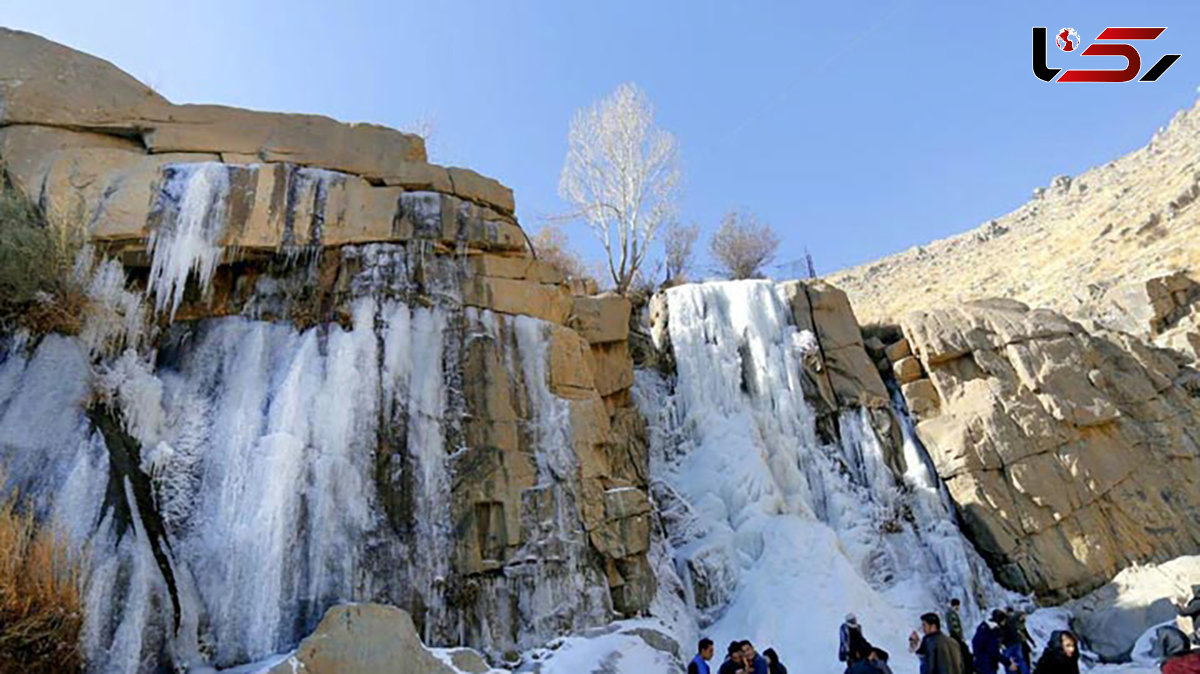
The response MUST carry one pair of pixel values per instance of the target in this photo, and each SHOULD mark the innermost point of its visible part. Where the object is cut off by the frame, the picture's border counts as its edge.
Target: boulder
(907, 370)
(1069, 454)
(898, 350)
(46, 83)
(471, 186)
(363, 639)
(601, 318)
(922, 398)
(825, 311)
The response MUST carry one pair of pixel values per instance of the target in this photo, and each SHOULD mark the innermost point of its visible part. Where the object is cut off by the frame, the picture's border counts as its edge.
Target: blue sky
(856, 129)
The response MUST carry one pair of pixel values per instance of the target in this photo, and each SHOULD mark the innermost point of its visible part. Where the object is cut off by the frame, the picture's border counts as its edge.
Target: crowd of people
(740, 658)
(1001, 643)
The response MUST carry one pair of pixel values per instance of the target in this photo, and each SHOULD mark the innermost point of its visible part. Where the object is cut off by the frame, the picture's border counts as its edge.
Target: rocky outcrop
(1070, 454)
(217, 211)
(363, 639)
(1163, 309)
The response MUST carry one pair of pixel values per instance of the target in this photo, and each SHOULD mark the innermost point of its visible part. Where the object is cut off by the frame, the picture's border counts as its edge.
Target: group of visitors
(1001, 643)
(740, 658)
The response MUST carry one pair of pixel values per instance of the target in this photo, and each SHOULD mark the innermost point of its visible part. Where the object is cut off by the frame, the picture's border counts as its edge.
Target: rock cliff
(1070, 454)
(363, 384)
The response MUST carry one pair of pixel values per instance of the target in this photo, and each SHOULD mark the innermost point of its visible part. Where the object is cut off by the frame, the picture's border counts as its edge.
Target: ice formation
(191, 215)
(777, 535)
(235, 486)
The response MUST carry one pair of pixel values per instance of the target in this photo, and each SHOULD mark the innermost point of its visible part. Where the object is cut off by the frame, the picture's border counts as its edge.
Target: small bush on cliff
(743, 246)
(38, 287)
(41, 612)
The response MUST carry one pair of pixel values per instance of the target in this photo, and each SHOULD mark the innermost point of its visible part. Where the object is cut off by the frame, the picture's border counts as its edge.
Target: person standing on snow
(954, 621)
(939, 653)
(851, 640)
(1014, 643)
(704, 653)
(986, 645)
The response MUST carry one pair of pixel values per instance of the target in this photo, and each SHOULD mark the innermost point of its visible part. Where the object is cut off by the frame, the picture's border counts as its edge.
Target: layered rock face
(1070, 454)
(360, 384)
(1065, 432)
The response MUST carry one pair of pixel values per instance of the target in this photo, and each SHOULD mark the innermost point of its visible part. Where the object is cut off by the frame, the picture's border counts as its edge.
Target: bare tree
(678, 244)
(551, 245)
(742, 246)
(621, 176)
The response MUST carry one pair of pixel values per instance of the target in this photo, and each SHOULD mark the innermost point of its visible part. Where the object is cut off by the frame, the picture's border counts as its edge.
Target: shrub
(742, 246)
(38, 287)
(41, 611)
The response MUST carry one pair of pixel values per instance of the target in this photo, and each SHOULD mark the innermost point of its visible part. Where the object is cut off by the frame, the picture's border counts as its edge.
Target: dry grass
(41, 609)
(39, 290)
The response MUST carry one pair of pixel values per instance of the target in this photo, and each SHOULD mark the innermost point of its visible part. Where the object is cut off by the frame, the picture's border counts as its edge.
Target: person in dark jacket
(1014, 643)
(733, 660)
(851, 639)
(986, 644)
(753, 662)
(704, 653)
(774, 666)
(1061, 655)
(939, 653)
(954, 621)
(879, 660)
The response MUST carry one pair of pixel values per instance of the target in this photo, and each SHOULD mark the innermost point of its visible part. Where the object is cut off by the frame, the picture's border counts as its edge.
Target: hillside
(1070, 247)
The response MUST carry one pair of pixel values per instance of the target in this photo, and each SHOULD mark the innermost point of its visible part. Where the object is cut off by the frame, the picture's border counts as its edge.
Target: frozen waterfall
(232, 483)
(776, 534)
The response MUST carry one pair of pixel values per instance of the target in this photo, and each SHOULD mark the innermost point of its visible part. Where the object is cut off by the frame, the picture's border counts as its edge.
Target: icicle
(187, 240)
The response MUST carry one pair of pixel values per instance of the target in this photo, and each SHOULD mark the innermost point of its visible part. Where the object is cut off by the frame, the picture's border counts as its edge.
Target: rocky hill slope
(1080, 245)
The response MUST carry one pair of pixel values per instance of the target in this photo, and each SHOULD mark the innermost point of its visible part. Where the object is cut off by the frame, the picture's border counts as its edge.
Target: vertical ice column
(191, 218)
(758, 507)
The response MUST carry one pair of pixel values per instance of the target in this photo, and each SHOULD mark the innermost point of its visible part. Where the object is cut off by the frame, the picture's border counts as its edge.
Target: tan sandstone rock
(613, 367)
(825, 311)
(363, 639)
(601, 318)
(907, 369)
(1069, 454)
(42, 82)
